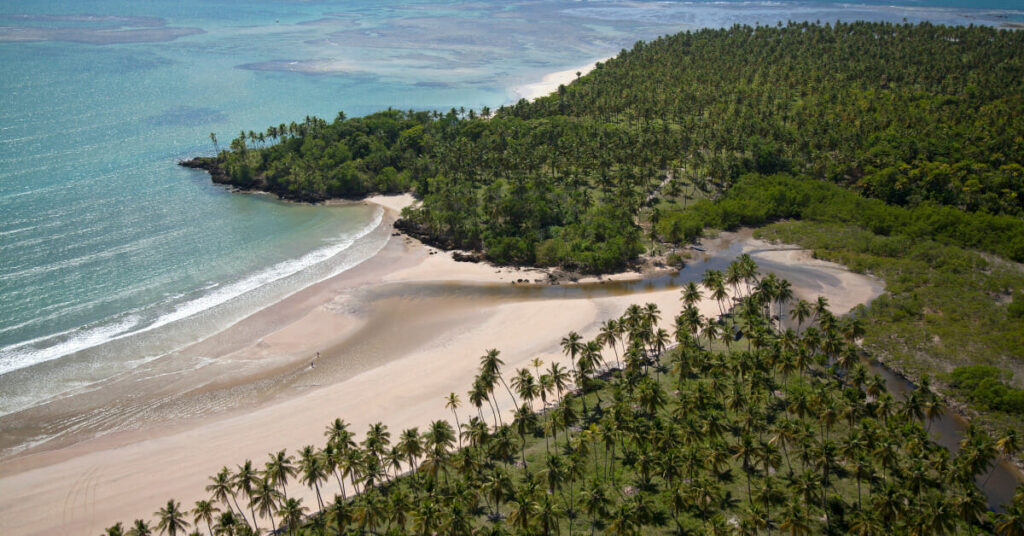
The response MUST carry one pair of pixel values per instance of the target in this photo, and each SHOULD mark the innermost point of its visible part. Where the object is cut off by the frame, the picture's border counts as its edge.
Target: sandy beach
(394, 335)
(551, 81)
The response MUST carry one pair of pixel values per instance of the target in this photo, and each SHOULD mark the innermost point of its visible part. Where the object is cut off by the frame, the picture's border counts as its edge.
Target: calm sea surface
(112, 256)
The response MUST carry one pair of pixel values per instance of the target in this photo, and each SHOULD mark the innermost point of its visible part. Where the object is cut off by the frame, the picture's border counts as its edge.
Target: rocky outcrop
(259, 184)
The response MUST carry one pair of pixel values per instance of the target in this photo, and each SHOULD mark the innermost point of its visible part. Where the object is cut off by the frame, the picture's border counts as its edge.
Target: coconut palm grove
(729, 424)
(895, 150)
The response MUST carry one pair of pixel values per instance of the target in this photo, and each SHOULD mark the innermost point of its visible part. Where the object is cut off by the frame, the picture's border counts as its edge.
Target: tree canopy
(911, 115)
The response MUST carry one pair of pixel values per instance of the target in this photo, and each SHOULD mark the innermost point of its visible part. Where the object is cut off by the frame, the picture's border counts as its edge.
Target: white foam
(274, 273)
(17, 356)
(22, 354)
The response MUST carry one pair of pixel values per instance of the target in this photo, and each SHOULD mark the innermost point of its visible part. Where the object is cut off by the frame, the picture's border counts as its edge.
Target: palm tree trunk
(458, 430)
(858, 492)
(340, 485)
(494, 413)
(514, 402)
(241, 513)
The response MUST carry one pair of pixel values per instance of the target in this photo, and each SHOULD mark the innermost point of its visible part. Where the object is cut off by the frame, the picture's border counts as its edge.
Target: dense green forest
(896, 150)
(908, 114)
(783, 431)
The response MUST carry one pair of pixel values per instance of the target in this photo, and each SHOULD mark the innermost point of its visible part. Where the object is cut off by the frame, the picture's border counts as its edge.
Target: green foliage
(316, 160)
(943, 305)
(985, 385)
(1016, 307)
(788, 432)
(755, 200)
(923, 116)
(902, 113)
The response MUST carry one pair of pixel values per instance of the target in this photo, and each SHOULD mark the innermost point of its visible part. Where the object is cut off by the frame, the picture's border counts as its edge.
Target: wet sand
(395, 334)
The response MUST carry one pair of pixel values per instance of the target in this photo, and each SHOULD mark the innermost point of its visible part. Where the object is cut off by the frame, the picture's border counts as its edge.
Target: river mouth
(383, 333)
(377, 322)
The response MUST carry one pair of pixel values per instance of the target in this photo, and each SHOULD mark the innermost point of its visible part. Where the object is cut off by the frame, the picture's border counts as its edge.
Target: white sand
(549, 84)
(122, 476)
(392, 202)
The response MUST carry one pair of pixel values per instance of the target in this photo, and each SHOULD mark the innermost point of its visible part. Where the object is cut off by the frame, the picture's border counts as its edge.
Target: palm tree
(221, 489)
(733, 277)
(426, 520)
(172, 519)
(714, 282)
(477, 395)
(691, 295)
(204, 511)
(377, 440)
(312, 471)
(594, 502)
(548, 516)
(748, 270)
(795, 520)
(338, 434)
(266, 498)
(800, 312)
(279, 469)
(691, 320)
(411, 446)
(571, 346)
(783, 295)
(608, 336)
(399, 504)
(545, 387)
(523, 512)
(245, 481)
(866, 523)
(820, 308)
(559, 378)
(339, 515)
(590, 358)
(140, 528)
(490, 366)
(227, 523)
(712, 330)
(291, 513)
(623, 520)
(1011, 522)
(525, 421)
(440, 437)
(452, 402)
(117, 529)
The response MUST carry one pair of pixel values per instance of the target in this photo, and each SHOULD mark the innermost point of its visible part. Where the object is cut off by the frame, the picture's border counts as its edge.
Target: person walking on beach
(312, 363)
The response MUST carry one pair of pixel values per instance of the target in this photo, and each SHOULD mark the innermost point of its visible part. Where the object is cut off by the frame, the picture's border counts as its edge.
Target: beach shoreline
(428, 320)
(549, 84)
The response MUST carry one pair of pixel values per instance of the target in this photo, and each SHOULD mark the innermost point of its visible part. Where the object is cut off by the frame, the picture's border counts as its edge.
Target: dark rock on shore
(473, 257)
(420, 233)
(209, 165)
(258, 184)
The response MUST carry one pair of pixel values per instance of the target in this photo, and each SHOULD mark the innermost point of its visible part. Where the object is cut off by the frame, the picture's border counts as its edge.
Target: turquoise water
(111, 255)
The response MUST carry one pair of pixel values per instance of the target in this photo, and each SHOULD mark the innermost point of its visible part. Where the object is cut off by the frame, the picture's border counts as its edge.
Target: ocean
(112, 256)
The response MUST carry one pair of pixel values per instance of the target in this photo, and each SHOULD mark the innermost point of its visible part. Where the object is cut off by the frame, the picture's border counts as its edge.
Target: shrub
(984, 385)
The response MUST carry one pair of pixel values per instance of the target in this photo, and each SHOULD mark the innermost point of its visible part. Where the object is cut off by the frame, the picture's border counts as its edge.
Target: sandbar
(426, 322)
